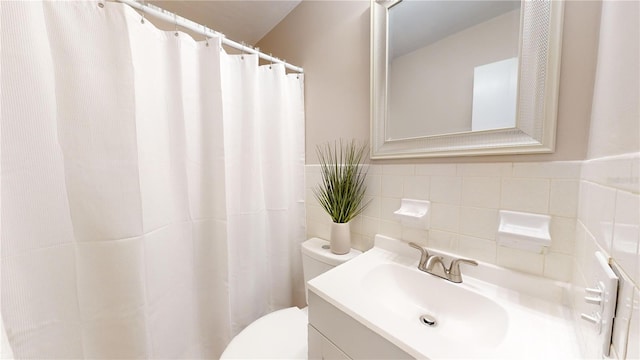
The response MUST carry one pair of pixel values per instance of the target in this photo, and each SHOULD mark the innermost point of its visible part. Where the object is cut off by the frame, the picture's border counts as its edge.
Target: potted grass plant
(342, 189)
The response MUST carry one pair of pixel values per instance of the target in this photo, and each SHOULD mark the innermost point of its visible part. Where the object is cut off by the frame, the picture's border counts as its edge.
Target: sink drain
(428, 320)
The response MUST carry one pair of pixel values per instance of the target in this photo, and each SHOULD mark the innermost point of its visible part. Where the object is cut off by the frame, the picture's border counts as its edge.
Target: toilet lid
(281, 334)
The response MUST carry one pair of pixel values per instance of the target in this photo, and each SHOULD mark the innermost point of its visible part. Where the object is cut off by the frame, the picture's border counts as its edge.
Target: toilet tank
(317, 258)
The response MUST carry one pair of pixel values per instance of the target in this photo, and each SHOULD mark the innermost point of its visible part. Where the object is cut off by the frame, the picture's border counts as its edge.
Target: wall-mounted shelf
(524, 231)
(413, 213)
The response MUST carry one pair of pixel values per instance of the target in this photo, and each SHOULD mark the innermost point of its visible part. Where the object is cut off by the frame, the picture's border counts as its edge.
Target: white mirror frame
(538, 79)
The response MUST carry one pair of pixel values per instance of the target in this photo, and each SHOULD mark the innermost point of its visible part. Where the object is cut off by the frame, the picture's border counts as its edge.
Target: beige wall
(615, 118)
(330, 39)
(431, 88)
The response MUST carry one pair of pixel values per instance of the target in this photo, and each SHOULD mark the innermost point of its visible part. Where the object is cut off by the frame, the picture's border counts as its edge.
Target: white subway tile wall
(481, 192)
(609, 221)
(465, 199)
(563, 199)
(527, 195)
(446, 189)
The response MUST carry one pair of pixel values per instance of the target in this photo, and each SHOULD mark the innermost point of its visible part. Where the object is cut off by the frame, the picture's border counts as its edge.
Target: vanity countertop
(494, 313)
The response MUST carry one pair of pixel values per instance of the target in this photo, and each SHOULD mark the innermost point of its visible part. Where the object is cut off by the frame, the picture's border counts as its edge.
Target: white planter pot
(340, 241)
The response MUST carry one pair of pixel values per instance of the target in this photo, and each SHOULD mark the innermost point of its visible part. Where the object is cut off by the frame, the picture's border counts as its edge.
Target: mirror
(459, 65)
(451, 78)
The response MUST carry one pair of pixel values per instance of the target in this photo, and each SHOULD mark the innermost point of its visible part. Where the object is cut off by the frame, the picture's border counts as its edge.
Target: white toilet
(282, 334)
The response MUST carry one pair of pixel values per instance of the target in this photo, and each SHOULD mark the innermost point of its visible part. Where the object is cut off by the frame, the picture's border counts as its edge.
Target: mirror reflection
(453, 67)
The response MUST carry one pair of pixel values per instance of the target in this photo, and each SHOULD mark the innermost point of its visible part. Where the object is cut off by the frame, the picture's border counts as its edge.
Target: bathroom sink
(495, 313)
(454, 312)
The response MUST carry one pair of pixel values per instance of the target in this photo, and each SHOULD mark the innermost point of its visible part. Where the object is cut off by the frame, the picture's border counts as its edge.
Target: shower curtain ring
(142, 12)
(270, 59)
(175, 23)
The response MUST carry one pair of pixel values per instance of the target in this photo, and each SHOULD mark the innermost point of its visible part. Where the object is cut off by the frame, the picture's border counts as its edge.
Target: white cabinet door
(321, 348)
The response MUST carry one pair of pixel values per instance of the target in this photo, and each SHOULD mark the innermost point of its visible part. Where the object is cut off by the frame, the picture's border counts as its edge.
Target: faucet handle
(424, 255)
(454, 269)
(433, 260)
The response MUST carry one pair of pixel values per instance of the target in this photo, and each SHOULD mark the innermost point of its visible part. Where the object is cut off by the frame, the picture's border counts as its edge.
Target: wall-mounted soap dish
(524, 231)
(413, 213)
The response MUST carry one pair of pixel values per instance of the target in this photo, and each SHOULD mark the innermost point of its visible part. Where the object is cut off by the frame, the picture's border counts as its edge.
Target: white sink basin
(462, 315)
(494, 313)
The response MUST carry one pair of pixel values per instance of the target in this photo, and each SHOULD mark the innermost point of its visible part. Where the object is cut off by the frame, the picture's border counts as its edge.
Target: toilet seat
(281, 334)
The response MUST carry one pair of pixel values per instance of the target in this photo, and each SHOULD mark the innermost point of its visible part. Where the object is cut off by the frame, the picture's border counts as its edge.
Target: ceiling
(414, 24)
(240, 20)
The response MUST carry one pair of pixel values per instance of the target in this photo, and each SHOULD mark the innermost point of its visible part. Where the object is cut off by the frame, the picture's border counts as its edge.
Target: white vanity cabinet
(321, 348)
(335, 335)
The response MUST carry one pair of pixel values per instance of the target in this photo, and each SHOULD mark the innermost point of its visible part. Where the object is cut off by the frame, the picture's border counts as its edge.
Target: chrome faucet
(454, 269)
(424, 255)
(434, 265)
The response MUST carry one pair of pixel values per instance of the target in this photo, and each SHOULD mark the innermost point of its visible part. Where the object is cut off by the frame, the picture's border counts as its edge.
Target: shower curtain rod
(203, 30)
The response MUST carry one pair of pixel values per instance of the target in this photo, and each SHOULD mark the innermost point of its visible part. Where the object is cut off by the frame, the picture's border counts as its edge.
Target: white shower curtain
(151, 186)
(265, 187)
